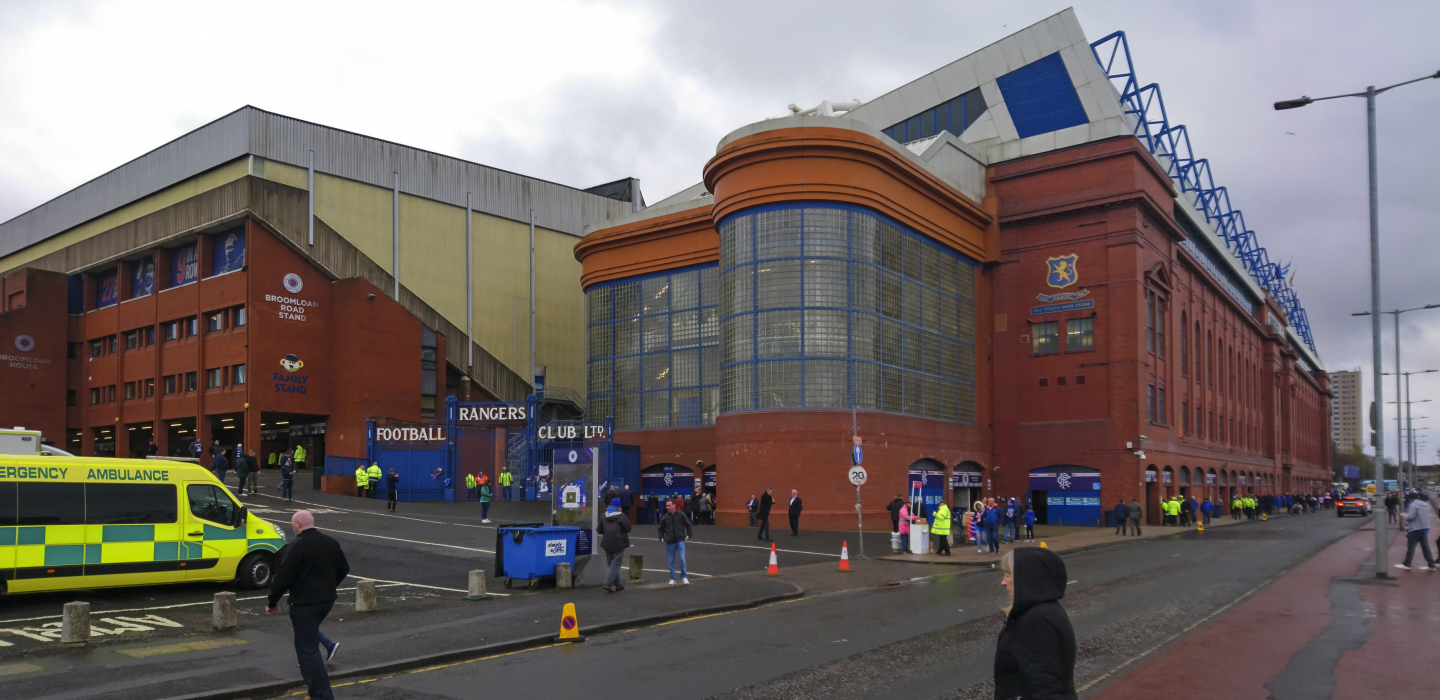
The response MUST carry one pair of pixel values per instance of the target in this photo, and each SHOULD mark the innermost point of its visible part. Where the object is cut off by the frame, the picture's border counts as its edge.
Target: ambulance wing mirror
(241, 517)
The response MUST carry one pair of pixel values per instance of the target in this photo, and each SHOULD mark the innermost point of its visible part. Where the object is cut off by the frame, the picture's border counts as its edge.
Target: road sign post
(858, 477)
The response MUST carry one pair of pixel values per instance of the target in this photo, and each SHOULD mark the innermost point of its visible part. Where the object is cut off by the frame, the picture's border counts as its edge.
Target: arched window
(1220, 359)
(1209, 360)
(1185, 475)
(1184, 346)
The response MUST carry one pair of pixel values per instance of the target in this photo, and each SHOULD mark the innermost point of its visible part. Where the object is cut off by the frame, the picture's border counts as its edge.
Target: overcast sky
(584, 93)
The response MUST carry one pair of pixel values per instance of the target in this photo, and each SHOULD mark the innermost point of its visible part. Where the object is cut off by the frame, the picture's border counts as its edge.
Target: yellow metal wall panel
(281, 173)
(501, 251)
(209, 180)
(432, 255)
(559, 311)
(358, 212)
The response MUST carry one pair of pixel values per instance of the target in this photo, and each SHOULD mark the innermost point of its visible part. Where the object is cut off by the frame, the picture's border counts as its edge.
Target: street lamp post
(1403, 445)
(1381, 571)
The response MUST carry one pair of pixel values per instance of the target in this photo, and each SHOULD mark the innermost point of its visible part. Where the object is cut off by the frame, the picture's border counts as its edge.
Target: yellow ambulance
(79, 522)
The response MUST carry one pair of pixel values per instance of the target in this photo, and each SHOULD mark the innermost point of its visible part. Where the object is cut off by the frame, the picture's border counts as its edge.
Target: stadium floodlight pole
(1381, 545)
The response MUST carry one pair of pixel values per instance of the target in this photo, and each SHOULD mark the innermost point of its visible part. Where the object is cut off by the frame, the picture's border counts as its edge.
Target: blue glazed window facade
(654, 350)
(821, 303)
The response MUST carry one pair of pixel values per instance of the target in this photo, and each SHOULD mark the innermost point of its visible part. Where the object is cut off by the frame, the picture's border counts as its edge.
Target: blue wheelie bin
(530, 552)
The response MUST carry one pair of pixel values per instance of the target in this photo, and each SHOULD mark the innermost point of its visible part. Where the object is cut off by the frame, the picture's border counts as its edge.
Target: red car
(1352, 504)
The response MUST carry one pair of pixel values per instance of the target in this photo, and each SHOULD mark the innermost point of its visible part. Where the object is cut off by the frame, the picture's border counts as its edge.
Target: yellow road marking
(201, 645)
(696, 617)
(17, 669)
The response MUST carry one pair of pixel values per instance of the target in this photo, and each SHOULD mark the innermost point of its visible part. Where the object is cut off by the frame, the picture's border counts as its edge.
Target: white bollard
(477, 586)
(222, 615)
(365, 600)
(75, 625)
(563, 578)
(637, 568)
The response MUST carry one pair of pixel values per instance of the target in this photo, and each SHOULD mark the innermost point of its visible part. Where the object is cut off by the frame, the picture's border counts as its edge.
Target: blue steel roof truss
(1171, 146)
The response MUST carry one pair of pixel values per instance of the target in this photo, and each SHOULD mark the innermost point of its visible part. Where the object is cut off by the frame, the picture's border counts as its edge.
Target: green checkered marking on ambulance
(7, 536)
(64, 554)
(220, 533)
(32, 535)
(269, 545)
(92, 553)
(172, 551)
(129, 533)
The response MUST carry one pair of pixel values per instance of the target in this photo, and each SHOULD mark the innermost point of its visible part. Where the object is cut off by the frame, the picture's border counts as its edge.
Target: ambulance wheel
(255, 571)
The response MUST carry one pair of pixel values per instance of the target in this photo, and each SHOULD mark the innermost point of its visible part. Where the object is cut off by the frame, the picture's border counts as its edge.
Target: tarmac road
(932, 637)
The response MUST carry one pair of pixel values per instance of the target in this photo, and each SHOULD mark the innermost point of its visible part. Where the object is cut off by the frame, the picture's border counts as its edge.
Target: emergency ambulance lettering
(129, 474)
(56, 473)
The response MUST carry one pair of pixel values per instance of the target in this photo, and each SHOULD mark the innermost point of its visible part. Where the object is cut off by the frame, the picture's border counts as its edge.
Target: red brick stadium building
(999, 272)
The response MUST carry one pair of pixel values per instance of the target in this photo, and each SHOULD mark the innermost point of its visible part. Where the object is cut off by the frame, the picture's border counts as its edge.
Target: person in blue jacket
(1122, 516)
(992, 527)
(1011, 515)
(1206, 509)
(1029, 524)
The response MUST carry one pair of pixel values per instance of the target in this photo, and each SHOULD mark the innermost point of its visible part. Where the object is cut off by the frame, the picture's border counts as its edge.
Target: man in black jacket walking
(795, 507)
(311, 567)
(894, 509)
(766, 503)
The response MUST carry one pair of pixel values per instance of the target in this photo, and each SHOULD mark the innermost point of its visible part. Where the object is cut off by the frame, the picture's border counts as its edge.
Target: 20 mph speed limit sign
(857, 476)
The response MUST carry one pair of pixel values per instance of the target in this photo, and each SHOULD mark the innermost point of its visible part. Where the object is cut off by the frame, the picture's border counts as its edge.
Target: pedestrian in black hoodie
(1035, 655)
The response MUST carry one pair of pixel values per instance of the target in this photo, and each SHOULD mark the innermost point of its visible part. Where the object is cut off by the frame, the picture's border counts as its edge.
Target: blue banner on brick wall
(184, 265)
(107, 289)
(1051, 479)
(228, 252)
(142, 278)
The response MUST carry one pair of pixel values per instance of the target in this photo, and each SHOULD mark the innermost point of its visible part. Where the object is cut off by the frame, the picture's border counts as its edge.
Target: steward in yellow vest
(940, 528)
(362, 480)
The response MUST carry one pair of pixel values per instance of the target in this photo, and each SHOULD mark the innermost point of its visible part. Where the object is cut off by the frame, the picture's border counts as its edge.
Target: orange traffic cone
(774, 569)
(844, 557)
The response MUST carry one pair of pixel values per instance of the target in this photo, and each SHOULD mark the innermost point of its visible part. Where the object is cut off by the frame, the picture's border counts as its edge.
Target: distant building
(1346, 422)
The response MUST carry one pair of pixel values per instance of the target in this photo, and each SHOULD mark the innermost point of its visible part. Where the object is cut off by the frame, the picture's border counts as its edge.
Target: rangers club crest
(1062, 271)
(293, 284)
(24, 343)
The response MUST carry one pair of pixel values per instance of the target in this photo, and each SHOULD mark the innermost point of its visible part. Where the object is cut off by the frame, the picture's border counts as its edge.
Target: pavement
(873, 634)
(1327, 629)
(1061, 539)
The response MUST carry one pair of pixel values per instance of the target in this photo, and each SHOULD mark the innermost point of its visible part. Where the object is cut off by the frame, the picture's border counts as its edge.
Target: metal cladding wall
(251, 131)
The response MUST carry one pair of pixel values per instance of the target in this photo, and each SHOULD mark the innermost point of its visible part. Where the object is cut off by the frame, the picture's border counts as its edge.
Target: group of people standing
(760, 512)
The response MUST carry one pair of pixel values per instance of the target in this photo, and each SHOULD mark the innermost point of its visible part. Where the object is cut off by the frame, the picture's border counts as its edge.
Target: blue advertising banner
(228, 251)
(1056, 480)
(1352, 471)
(670, 481)
(932, 486)
(142, 278)
(964, 479)
(107, 288)
(184, 265)
(1058, 308)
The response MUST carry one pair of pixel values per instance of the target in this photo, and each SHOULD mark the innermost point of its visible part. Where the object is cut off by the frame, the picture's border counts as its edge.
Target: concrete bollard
(562, 576)
(477, 586)
(75, 625)
(637, 567)
(222, 615)
(365, 600)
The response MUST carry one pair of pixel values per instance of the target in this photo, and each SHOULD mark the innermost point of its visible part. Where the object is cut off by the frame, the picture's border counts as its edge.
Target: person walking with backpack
(674, 531)
(614, 531)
